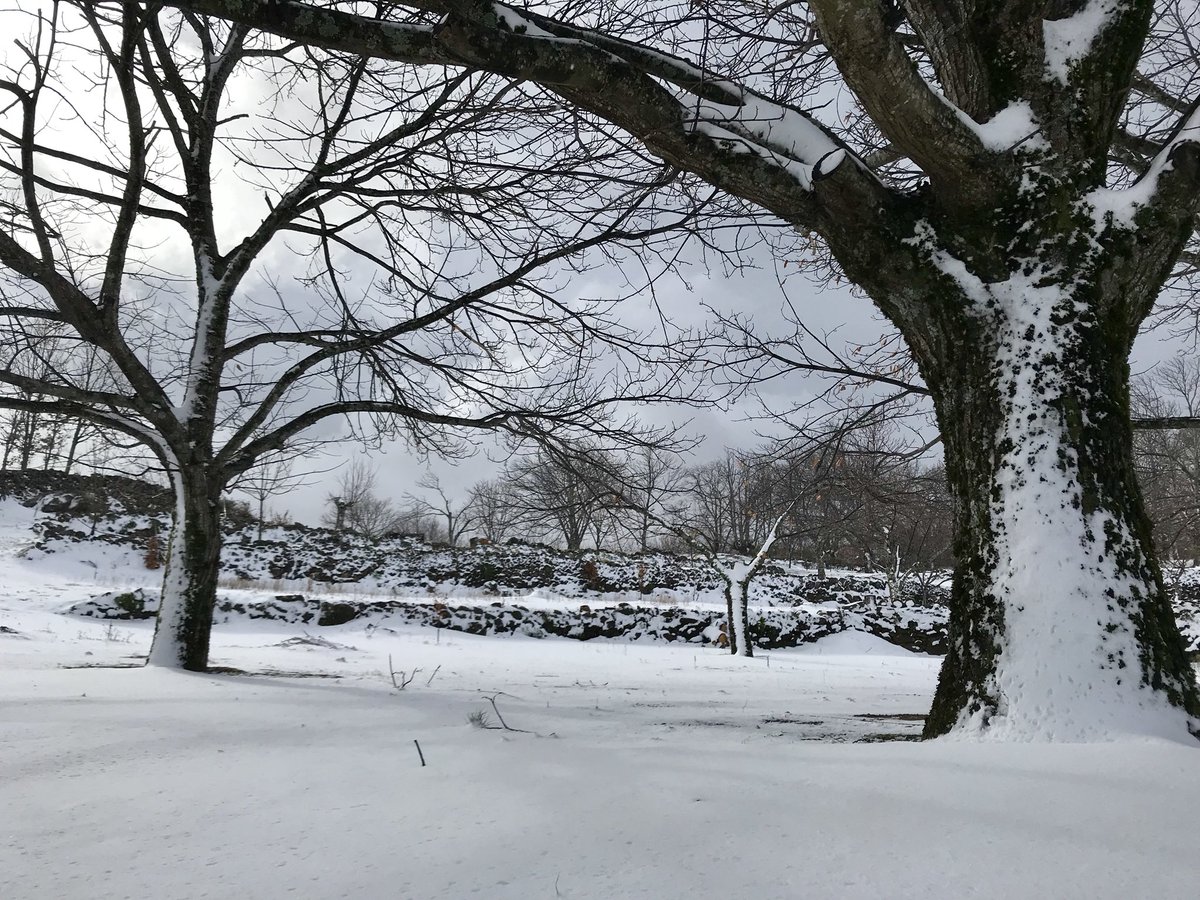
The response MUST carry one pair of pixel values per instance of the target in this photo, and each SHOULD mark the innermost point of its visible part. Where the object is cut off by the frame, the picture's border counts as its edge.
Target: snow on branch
(1069, 40)
(914, 116)
(618, 80)
(724, 110)
(1171, 160)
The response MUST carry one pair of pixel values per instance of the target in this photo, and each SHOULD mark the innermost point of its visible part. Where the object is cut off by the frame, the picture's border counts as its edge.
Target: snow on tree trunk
(737, 588)
(190, 579)
(1061, 628)
(745, 645)
(737, 591)
(731, 629)
(894, 575)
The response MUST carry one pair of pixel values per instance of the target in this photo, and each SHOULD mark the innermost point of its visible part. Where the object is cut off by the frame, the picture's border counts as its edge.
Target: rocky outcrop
(920, 630)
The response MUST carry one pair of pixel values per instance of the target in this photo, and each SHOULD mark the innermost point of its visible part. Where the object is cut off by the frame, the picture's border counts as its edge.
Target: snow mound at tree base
(853, 642)
(1099, 717)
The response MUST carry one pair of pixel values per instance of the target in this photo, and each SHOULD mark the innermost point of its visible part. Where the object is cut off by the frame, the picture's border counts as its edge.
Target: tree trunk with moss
(192, 570)
(1060, 623)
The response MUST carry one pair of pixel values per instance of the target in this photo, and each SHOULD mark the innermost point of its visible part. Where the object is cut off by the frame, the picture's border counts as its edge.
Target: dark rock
(337, 613)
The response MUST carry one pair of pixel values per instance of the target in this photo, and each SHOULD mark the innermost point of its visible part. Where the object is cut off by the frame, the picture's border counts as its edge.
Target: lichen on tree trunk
(189, 592)
(1061, 627)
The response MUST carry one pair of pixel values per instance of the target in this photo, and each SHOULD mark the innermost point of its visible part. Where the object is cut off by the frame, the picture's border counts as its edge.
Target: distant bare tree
(1168, 459)
(495, 511)
(655, 482)
(457, 516)
(272, 475)
(730, 501)
(559, 495)
(357, 506)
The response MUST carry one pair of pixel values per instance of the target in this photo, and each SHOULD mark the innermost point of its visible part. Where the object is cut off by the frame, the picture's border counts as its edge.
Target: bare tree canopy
(268, 245)
(1012, 183)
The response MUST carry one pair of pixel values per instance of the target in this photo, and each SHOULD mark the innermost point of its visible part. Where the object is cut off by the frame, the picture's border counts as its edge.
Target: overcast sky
(758, 293)
(754, 293)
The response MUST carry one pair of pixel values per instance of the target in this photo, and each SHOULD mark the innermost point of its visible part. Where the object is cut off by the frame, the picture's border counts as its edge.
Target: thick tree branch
(97, 415)
(1155, 217)
(915, 119)
(1167, 423)
(757, 150)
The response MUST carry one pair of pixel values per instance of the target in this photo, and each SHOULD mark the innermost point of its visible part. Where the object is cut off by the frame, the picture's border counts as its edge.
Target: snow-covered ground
(640, 770)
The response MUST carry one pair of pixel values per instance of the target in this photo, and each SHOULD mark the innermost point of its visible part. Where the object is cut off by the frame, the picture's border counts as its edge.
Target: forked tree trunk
(190, 579)
(1060, 626)
(736, 581)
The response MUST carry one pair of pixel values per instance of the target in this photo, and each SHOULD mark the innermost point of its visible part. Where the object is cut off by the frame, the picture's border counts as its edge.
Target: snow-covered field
(639, 770)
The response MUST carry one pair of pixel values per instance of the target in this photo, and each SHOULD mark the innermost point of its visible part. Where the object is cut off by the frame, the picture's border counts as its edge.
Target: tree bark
(731, 619)
(745, 645)
(1060, 625)
(189, 591)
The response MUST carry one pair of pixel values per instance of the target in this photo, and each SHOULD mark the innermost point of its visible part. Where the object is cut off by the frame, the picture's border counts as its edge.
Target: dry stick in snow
(504, 725)
(405, 679)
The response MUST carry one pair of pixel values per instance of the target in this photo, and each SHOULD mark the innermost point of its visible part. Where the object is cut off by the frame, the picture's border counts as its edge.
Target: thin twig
(405, 678)
(500, 718)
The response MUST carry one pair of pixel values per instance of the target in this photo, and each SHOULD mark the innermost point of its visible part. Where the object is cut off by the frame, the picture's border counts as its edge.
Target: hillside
(314, 576)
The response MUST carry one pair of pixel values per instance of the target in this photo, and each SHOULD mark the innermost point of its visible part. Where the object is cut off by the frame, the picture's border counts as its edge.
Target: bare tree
(1168, 459)
(737, 587)
(273, 475)
(727, 500)
(417, 297)
(616, 489)
(31, 435)
(656, 479)
(496, 512)
(559, 494)
(457, 516)
(357, 506)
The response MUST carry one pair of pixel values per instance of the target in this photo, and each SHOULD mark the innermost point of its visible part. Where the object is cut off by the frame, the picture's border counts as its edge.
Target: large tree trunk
(190, 579)
(1060, 625)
